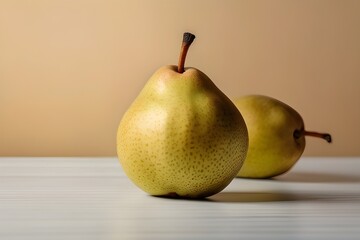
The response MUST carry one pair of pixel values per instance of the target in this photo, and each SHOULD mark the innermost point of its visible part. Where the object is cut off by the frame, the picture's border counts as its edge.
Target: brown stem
(325, 136)
(188, 38)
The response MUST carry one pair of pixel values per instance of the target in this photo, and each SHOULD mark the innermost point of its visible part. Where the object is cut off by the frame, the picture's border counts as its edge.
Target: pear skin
(276, 136)
(181, 137)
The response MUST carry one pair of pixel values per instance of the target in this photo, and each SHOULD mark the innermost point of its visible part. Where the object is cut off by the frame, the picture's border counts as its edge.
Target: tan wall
(69, 69)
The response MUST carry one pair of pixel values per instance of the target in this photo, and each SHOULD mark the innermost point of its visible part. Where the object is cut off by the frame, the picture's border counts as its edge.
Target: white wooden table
(91, 198)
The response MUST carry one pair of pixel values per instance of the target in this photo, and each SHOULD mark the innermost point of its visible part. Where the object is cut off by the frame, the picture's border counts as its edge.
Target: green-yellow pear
(182, 137)
(276, 136)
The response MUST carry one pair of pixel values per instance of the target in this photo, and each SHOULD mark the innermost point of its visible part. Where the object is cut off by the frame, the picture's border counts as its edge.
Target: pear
(181, 137)
(276, 136)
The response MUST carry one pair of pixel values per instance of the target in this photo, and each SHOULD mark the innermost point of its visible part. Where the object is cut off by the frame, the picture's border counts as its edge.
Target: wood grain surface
(91, 198)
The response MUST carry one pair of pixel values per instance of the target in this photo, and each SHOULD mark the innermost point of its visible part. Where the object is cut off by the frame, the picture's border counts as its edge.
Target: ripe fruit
(276, 136)
(182, 137)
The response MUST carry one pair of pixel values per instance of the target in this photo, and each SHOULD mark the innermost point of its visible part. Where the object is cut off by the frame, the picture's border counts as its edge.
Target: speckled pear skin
(273, 150)
(181, 137)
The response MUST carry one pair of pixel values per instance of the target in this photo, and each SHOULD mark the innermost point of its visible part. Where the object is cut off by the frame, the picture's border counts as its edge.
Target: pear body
(273, 149)
(181, 137)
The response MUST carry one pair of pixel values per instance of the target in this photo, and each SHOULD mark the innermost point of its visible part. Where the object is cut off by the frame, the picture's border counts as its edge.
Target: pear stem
(188, 38)
(325, 136)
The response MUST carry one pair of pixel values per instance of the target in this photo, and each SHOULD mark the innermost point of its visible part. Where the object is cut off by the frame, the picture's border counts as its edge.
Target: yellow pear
(182, 137)
(276, 136)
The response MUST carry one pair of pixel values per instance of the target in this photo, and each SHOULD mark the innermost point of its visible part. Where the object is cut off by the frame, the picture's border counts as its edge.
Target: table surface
(91, 198)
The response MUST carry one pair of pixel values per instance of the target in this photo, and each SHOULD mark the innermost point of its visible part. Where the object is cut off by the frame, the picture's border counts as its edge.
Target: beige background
(69, 69)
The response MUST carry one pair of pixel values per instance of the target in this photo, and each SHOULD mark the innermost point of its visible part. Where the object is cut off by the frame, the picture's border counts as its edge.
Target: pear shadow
(316, 177)
(247, 197)
(263, 197)
(244, 197)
